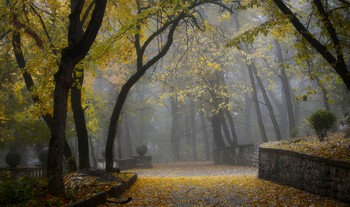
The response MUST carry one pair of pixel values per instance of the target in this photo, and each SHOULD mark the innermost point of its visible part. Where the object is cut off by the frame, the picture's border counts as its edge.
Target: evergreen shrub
(322, 122)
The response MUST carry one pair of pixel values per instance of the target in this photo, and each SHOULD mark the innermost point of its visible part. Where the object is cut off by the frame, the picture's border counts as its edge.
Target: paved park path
(205, 184)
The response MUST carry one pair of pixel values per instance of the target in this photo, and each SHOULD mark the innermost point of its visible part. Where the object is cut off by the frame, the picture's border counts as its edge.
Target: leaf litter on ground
(334, 147)
(205, 184)
(86, 183)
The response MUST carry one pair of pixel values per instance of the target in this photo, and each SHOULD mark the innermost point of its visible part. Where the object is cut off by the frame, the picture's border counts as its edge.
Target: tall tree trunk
(282, 112)
(297, 118)
(186, 124)
(325, 97)
(70, 160)
(77, 108)
(225, 128)
(317, 81)
(92, 150)
(232, 127)
(267, 101)
(193, 131)
(174, 137)
(345, 99)
(119, 140)
(217, 135)
(55, 155)
(16, 42)
(79, 119)
(205, 137)
(127, 146)
(247, 116)
(256, 103)
(286, 87)
(70, 57)
(142, 116)
(247, 101)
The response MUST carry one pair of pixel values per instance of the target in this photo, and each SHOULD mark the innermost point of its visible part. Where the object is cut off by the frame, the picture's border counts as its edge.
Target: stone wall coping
(237, 146)
(336, 163)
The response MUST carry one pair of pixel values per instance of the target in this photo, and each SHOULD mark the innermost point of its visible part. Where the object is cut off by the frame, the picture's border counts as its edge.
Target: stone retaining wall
(243, 155)
(313, 174)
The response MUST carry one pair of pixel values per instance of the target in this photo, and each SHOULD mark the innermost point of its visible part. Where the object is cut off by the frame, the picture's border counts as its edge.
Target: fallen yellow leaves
(334, 147)
(82, 186)
(242, 190)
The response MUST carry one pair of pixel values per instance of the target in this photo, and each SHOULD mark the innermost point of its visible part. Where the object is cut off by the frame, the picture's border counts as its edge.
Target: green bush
(14, 191)
(322, 121)
(25, 191)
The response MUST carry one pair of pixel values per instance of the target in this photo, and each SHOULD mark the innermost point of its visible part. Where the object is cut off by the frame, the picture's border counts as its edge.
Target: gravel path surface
(193, 169)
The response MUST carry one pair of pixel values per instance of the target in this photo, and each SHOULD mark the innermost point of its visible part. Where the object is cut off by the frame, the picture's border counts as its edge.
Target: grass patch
(334, 147)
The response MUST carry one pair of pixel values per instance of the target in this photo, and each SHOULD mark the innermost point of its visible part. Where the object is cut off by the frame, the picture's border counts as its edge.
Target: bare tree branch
(5, 33)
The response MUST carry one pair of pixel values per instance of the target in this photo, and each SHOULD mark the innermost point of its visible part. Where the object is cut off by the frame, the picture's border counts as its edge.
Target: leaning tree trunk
(113, 125)
(286, 88)
(256, 103)
(267, 101)
(254, 93)
(225, 128)
(282, 112)
(232, 127)
(141, 70)
(79, 120)
(338, 61)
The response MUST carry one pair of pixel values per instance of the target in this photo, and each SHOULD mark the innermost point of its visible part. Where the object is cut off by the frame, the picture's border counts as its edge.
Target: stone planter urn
(13, 159)
(143, 161)
(141, 149)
